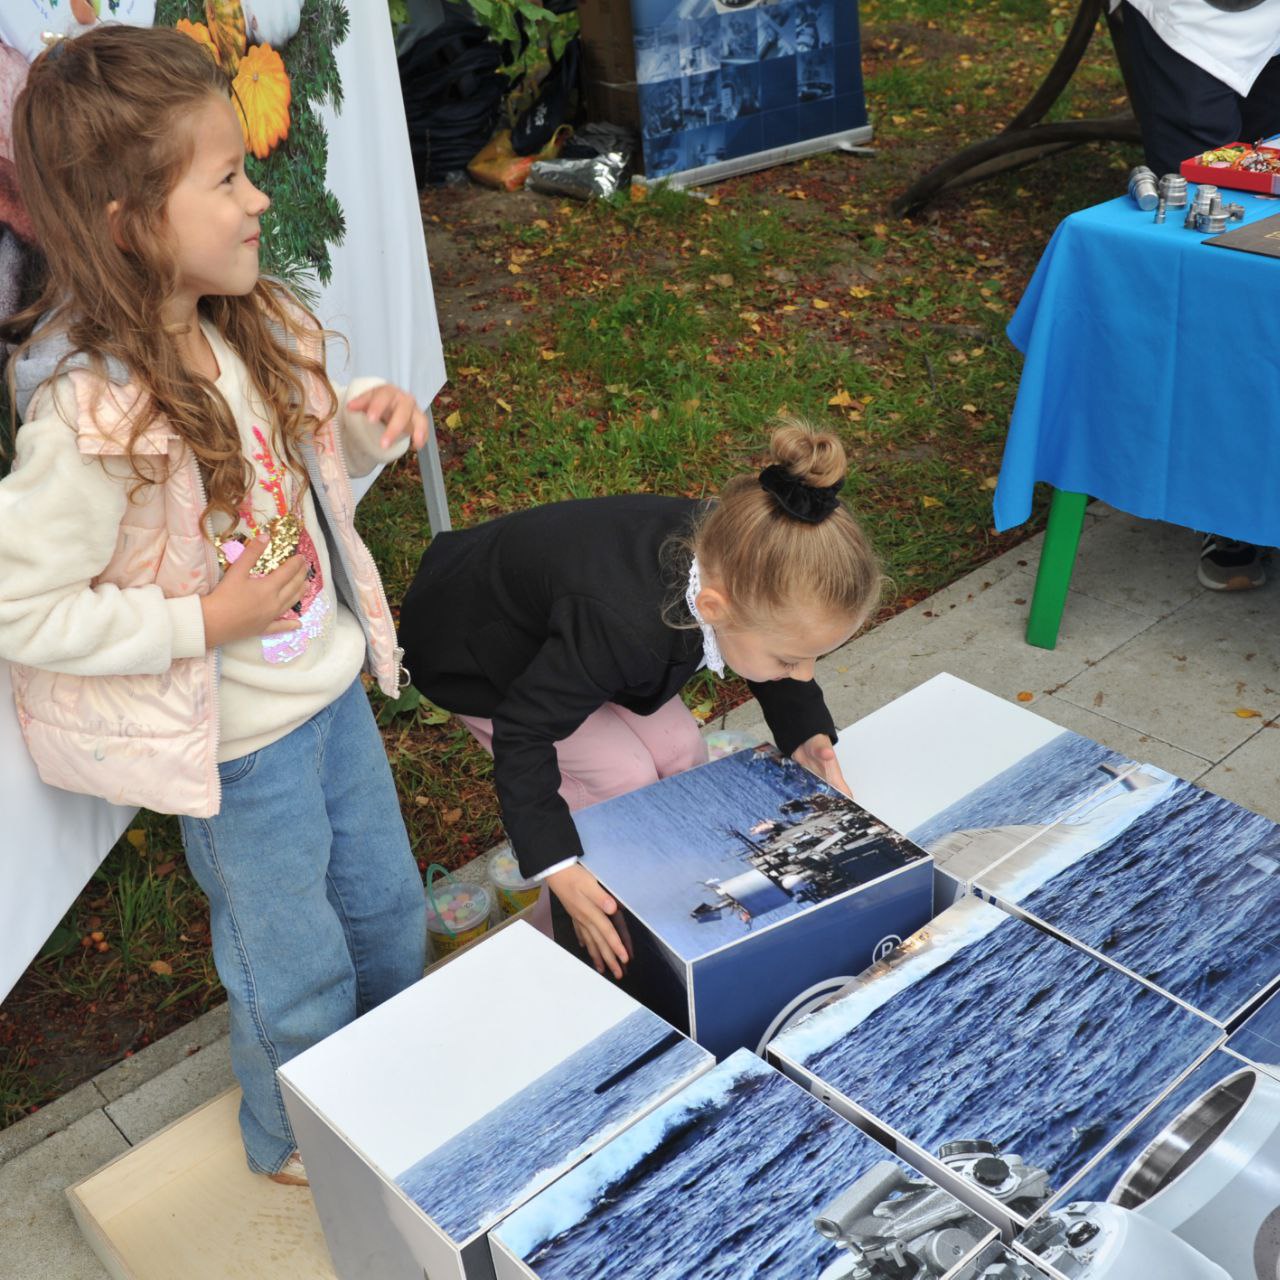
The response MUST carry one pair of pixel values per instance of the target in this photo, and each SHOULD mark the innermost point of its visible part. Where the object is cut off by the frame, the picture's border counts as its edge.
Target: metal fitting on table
(1173, 188)
(1142, 188)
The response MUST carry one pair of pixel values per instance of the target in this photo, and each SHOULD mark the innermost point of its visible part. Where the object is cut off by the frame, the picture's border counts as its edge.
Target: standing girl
(182, 587)
(563, 635)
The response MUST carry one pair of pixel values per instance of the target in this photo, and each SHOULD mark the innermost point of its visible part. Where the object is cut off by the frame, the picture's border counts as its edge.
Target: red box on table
(1240, 166)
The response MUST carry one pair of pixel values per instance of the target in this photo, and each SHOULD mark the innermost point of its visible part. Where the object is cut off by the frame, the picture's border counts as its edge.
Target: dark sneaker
(1226, 565)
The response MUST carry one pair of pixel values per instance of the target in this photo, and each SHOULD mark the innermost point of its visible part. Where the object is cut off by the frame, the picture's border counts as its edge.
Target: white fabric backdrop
(380, 297)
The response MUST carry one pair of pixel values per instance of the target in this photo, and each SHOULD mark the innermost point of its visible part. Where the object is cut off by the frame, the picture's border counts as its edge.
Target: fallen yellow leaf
(162, 967)
(712, 201)
(502, 404)
(515, 268)
(469, 371)
(547, 354)
(542, 224)
(137, 837)
(821, 304)
(990, 482)
(453, 421)
(927, 502)
(725, 280)
(1247, 713)
(842, 400)
(1026, 696)
(969, 408)
(859, 291)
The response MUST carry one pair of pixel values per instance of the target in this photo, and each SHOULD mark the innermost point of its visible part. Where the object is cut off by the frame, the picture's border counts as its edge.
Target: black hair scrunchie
(808, 502)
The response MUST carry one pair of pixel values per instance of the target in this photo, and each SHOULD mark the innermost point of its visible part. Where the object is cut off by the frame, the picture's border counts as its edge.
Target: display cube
(999, 1058)
(1192, 1192)
(741, 1174)
(743, 883)
(426, 1121)
(996, 1262)
(1258, 1039)
(1171, 883)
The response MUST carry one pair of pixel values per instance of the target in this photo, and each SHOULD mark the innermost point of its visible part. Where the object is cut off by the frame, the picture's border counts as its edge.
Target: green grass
(651, 342)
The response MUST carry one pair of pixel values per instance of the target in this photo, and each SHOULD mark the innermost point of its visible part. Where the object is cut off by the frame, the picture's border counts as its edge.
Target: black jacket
(537, 619)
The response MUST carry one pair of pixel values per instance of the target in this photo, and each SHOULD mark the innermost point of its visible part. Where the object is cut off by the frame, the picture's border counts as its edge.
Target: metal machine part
(1160, 208)
(1105, 1242)
(1173, 188)
(1142, 188)
(895, 1227)
(1213, 1176)
(1002, 1176)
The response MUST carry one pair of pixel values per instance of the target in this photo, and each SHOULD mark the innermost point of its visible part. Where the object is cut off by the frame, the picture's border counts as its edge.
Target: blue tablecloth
(1152, 374)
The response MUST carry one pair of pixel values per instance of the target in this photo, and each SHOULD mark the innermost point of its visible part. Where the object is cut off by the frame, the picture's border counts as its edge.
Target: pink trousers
(614, 750)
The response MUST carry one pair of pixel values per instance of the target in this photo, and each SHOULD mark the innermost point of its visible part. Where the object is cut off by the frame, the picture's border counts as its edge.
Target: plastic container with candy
(513, 892)
(457, 912)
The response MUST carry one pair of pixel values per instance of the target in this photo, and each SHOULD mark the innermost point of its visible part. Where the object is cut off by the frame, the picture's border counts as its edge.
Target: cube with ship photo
(743, 883)
(740, 1174)
(1001, 1058)
(1192, 1192)
(429, 1119)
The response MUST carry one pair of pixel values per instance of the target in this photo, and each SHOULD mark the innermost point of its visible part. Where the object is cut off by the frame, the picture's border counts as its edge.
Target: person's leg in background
(671, 735)
(1183, 110)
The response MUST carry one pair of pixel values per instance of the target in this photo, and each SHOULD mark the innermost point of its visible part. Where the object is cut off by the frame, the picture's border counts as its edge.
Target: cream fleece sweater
(60, 515)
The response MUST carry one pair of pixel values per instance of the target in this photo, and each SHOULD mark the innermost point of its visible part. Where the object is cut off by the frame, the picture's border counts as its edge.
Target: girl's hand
(819, 756)
(398, 409)
(590, 906)
(244, 605)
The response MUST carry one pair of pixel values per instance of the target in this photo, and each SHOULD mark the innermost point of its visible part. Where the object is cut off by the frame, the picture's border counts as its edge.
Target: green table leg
(1061, 538)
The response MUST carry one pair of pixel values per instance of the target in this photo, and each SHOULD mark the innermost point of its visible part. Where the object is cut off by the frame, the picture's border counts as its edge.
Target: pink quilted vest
(152, 740)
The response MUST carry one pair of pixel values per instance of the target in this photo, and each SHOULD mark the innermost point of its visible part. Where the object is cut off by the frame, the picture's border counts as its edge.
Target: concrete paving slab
(1142, 565)
(1185, 677)
(1120, 737)
(173, 1093)
(52, 1118)
(156, 1058)
(980, 641)
(1250, 775)
(40, 1238)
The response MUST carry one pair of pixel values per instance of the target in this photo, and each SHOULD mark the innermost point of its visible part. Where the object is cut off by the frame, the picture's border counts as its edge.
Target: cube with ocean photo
(430, 1118)
(1192, 1190)
(1172, 883)
(1257, 1040)
(969, 776)
(743, 883)
(740, 1174)
(1001, 1057)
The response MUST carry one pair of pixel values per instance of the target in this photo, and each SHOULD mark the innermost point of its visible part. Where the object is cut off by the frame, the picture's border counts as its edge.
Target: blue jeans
(316, 904)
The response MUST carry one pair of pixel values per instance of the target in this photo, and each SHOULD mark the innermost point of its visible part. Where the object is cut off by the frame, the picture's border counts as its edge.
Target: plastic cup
(513, 891)
(457, 913)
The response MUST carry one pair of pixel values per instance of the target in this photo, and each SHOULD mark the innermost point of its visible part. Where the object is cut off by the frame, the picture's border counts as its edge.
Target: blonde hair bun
(816, 458)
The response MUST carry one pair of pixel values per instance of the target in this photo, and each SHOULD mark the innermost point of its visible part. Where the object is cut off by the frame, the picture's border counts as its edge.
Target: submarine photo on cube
(1192, 1192)
(1171, 882)
(545, 1060)
(968, 775)
(746, 881)
(1001, 1056)
(1258, 1038)
(740, 1174)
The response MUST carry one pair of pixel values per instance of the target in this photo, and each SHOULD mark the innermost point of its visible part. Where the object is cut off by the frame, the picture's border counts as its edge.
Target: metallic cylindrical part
(1173, 187)
(1142, 188)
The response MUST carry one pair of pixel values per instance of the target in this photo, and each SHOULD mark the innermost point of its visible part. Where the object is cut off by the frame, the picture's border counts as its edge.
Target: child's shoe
(292, 1174)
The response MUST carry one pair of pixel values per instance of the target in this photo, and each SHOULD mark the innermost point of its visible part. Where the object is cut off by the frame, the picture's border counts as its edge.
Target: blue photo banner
(721, 81)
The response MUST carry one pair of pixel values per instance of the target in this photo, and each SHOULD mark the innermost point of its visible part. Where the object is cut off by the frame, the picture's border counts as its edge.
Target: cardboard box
(184, 1203)
(426, 1121)
(741, 1174)
(743, 883)
(1192, 1191)
(608, 41)
(1001, 1059)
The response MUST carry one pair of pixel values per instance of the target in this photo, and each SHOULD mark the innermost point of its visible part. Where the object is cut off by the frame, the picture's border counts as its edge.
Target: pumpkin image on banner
(280, 57)
(227, 28)
(262, 96)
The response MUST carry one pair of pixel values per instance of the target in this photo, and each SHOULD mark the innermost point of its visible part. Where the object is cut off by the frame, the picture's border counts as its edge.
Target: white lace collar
(711, 656)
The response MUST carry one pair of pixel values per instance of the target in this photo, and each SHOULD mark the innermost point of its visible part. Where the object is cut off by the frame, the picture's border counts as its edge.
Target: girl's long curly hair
(106, 117)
